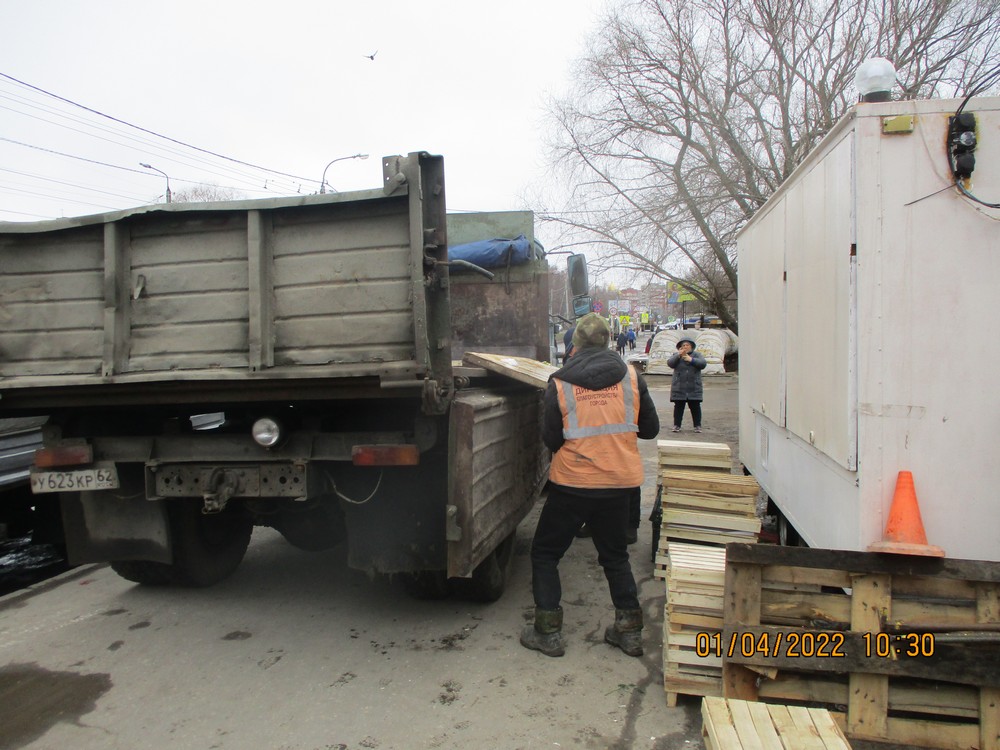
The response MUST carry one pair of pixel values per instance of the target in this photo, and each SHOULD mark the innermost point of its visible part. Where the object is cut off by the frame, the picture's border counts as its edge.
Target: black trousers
(695, 412)
(607, 518)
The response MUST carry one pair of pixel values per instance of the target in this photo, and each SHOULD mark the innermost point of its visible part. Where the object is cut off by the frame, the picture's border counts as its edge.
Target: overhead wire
(162, 152)
(142, 172)
(152, 132)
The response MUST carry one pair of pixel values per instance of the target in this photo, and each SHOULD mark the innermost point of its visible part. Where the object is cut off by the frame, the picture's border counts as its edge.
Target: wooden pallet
(948, 698)
(695, 586)
(691, 455)
(730, 724)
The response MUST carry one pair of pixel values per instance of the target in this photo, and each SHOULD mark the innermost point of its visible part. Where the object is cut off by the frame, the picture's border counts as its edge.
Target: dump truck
(289, 362)
(867, 340)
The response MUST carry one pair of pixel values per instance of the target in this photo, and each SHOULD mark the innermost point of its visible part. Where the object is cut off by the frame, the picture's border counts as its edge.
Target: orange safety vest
(601, 449)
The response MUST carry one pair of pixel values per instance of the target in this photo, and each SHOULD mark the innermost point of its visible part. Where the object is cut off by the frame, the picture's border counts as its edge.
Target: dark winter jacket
(594, 369)
(686, 385)
(622, 340)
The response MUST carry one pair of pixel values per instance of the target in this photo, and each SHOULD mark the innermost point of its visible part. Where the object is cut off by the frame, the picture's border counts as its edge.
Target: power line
(142, 172)
(180, 159)
(151, 132)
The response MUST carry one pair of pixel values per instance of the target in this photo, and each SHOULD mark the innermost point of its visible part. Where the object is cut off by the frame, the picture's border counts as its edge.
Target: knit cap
(591, 331)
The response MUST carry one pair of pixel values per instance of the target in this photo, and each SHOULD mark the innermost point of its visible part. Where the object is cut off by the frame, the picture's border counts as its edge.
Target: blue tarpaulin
(496, 253)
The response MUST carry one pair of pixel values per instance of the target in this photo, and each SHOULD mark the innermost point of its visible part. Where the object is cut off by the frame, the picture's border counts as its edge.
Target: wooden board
(730, 724)
(693, 448)
(725, 484)
(521, 369)
(946, 698)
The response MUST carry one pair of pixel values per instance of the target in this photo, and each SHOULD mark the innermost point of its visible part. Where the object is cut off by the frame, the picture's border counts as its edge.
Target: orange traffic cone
(904, 533)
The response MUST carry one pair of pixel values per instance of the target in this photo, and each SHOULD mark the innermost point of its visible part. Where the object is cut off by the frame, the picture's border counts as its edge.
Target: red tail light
(64, 455)
(385, 455)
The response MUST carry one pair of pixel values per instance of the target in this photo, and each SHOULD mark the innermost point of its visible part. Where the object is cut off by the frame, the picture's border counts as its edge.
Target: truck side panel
(347, 286)
(497, 468)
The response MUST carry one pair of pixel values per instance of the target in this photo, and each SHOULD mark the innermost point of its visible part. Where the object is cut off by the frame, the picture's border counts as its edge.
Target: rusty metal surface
(498, 465)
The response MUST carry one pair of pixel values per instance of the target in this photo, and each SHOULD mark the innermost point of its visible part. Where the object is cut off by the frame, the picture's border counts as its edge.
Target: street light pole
(149, 166)
(322, 182)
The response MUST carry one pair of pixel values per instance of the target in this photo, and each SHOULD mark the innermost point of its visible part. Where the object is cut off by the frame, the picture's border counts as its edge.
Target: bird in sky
(371, 56)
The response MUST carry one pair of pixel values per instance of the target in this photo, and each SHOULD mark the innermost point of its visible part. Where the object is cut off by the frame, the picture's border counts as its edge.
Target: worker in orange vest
(596, 407)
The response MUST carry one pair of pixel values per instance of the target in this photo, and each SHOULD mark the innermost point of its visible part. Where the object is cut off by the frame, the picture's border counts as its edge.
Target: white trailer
(868, 311)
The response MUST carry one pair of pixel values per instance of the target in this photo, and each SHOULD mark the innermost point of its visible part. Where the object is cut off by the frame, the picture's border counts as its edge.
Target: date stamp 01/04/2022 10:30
(808, 645)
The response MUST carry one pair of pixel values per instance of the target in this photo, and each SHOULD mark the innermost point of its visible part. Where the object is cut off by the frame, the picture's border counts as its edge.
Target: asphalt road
(298, 652)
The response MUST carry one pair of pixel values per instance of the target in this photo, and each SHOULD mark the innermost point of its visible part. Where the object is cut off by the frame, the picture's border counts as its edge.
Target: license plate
(101, 477)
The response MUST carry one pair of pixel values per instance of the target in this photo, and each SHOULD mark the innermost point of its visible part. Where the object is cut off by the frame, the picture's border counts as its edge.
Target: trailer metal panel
(908, 267)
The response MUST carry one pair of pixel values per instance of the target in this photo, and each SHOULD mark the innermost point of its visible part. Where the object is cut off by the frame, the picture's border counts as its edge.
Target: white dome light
(875, 78)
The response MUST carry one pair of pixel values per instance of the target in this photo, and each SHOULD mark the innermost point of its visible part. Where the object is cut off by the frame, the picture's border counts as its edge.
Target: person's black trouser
(634, 508)
(695, 412)
(607, 518)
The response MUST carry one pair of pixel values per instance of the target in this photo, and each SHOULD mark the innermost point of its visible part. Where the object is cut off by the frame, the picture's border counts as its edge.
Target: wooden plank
(521, 369)
(766, 731)
(744, 724)
(711, 482)
(988, 610)
(950, 662)
(744, 505)
(710, 520)
(865, 562)
(705, 536)
(741, 605)
(717, 720)
(794, 735)
(944, 700)
(829, 731)
(868, 705)
(933, 734)
(692, 448)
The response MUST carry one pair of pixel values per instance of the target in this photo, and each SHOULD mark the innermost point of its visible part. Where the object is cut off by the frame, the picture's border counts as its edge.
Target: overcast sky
(283, 85)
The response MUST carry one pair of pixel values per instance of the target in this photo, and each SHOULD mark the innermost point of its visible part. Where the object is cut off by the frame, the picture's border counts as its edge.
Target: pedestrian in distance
(596, 408)
(631, 340)
(622, 342)
(686, 387)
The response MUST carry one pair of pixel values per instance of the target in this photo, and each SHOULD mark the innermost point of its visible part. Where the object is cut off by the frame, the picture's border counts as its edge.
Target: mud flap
(104, 526)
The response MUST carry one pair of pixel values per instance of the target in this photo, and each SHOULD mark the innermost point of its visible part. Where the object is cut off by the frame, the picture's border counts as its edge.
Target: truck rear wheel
(207, 547)
(489, 579)
(144, 572)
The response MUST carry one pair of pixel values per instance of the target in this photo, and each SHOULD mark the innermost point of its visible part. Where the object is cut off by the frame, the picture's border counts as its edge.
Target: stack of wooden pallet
(709, 507)
(704, 506)
(692, 620)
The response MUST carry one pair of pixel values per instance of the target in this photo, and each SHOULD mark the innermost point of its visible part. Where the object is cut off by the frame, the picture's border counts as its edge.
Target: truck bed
(245, 293)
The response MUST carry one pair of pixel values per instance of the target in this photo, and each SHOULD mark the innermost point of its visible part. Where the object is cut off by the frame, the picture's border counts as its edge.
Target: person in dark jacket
(622, 342)
(595, 409)
(568, 344)
(686, 387)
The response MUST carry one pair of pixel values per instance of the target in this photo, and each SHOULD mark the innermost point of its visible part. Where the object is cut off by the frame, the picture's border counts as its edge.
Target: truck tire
(427, 584)
(207, 547)
(489, 579)
(143, 572)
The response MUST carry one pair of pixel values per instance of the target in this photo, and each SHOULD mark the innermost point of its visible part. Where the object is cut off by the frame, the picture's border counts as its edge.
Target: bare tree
(687, 114)
(206, 192)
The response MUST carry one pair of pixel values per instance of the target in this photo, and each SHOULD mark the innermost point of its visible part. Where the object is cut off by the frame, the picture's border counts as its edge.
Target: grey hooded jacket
(686, 385)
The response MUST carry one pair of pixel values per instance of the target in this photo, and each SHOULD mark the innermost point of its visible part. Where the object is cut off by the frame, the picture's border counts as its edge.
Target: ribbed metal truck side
(288, 362)
(868, 306)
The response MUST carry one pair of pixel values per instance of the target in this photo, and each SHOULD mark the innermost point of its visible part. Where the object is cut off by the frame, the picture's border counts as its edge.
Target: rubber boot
(546, 634)
(626, 633)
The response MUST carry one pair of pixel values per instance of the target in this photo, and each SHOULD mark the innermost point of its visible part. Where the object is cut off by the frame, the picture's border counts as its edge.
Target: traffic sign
(598, 307)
